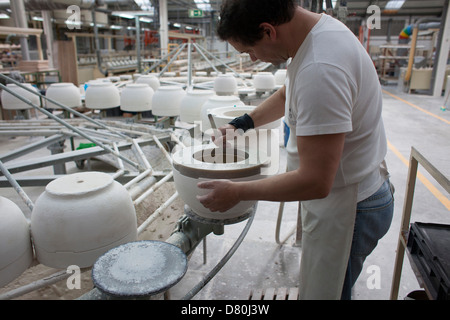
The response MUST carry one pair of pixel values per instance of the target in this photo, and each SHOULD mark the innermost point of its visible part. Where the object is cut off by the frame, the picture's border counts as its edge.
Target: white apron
(326, 242)
(327, 233)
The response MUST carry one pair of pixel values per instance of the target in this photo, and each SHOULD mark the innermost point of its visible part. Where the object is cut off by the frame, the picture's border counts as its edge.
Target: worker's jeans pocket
(373, 219)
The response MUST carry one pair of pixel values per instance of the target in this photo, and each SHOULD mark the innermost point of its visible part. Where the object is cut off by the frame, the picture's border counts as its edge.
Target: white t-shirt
(332, 87)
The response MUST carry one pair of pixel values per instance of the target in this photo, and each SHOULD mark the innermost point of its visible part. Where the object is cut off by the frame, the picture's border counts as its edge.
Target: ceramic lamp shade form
(264, 81)
(102, 95)
(167, 100)
(66, 93)
(16, 253)
(205, 162)
(217, 102)
(150, 80)
(225, 84)
(191, 105)
(10, 102)
(136, 97)
(79, 217)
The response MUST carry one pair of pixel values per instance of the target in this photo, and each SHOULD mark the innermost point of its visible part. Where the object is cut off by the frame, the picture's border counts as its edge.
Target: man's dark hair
(240, 19)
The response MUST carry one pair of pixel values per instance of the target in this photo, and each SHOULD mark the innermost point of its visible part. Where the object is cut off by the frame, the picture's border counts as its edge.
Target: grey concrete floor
(411, 120)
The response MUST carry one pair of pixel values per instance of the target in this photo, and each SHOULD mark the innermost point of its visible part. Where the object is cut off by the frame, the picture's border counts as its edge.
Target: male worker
(332, 104)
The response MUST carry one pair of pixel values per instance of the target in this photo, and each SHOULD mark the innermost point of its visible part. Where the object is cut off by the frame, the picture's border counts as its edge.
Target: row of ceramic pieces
(226, 84)
(71, 220)
(103, 95)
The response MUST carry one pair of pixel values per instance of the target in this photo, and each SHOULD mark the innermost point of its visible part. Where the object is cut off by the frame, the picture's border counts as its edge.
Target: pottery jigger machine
(125, 268)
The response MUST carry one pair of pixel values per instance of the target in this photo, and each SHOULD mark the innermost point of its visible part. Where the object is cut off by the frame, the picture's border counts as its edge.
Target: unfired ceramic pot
(79, 217)
(16, 253)
(264, 81)
(207, 162)
(191, 105)
(65, 93)
(217, 102)
(102, 95)
(136, 97)
(167, 100)
(10, 102)
(225, 84)
(150, 80)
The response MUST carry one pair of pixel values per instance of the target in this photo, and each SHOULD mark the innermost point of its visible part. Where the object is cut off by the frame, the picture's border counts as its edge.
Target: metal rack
(415, 159)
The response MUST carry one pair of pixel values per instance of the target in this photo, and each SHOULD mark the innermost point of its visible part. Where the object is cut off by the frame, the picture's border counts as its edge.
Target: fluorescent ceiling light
(4, 16)
(115, 27)
(394, 4)
(147, 20)
(123, 15)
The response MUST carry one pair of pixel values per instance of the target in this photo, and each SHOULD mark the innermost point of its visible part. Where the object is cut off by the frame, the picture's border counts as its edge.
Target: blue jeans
(373, 219)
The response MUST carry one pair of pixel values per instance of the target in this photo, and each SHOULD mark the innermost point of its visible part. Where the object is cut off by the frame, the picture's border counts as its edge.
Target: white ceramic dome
(264, 81)
(65, 93)
(136, 97)
(79, 217)
(166, 101)
(16, 253)
(191, 105)
(225, 84)
(10, 102)
(150, 80)
(102, 95)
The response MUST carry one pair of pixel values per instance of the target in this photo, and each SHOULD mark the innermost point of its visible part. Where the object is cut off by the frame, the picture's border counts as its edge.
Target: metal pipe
(152, 189)
(206, 58)
(106, 148)
(157, 213)
(17, 187)
(173, 59)
(169, 158)
(222, 262)
(141, 154)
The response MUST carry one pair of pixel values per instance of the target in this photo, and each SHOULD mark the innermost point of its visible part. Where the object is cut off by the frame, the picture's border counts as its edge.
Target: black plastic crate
(429, 246)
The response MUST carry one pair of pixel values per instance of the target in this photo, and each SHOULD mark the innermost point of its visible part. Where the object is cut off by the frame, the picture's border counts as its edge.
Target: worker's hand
(223, 134)
(223, 195)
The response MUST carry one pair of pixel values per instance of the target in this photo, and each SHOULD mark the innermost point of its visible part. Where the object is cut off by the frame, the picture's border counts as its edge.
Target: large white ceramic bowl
(150, 80)
(225, 84)
(224, 115)
(10, 102)
(207, 162)
(16, 253)
(65, 93)
(136, 97)
(214, 102)
(264, 81)
(167, 100)
(191, 105)
(102, 95)
(79, 217)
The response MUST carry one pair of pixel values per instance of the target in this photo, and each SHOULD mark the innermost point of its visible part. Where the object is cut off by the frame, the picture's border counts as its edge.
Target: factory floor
(411, 120)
